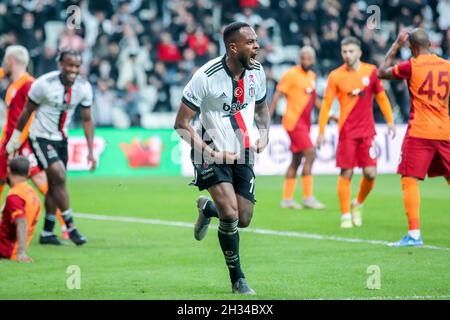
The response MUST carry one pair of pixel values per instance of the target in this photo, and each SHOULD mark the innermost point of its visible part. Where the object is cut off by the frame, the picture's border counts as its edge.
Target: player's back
(429, 89)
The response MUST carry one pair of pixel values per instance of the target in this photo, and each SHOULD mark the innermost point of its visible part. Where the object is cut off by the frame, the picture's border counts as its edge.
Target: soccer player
(54, 97)
(426, 146)
(15, 63)
(298, 86)
(354, 83)
(229, 93)
(20, 214)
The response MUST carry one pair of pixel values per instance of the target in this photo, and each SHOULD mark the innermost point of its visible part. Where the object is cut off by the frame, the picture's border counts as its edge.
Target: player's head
(307, 57)
(351, 50)
(16, 58)
(240, 42)
(18, 167)
(70, 63)
(419, 41)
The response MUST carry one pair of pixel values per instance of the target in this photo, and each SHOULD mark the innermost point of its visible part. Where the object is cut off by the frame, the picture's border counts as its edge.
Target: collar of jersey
(228, 71)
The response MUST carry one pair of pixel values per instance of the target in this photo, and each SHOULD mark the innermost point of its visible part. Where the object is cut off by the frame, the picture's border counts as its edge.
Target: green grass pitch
(131, 260)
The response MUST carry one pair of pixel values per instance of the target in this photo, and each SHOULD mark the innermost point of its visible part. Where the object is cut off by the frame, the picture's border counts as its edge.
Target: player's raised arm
(89, 127)
(14, 142)
(385, 70)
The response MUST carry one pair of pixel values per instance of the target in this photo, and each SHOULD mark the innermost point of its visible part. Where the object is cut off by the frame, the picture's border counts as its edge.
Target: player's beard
(245, 62)
(307, 68)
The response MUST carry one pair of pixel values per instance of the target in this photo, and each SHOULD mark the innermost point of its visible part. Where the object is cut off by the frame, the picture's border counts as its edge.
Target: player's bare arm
(187, 133)
(22, 234)
(14, 142)
(88, 127)
(273, 104)
(385, 69)
(262, 120)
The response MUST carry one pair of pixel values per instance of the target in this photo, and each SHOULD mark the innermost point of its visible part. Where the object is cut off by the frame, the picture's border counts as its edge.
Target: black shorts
(241, 176)
(49, 151)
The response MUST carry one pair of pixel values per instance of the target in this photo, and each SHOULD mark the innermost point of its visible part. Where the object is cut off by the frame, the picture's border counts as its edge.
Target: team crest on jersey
(365, 81)
(238, 92)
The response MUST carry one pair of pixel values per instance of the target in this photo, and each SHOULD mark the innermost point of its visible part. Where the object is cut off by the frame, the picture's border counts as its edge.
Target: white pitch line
(292, 234)
(388, 298)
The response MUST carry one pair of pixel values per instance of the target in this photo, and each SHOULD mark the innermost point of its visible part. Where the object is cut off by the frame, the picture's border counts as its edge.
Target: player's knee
(228, 212)
(57, 178)
(370, 174)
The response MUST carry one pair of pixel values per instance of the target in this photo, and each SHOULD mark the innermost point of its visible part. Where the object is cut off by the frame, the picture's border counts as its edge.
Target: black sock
(68, 219)
(229, 242)
(210, 210)
(49, 222)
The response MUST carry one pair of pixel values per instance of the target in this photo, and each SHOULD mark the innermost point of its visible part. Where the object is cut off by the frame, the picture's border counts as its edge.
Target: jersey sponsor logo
(233, 108)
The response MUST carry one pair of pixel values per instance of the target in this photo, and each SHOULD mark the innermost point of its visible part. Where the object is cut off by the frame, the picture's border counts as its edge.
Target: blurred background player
(229, 92)
(20, 214)
(426, 146)
(54, 97)
(354, 83)
(15, 62)
(298, 86)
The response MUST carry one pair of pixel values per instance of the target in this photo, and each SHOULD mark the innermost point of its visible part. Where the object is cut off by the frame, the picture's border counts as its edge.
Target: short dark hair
(19, 166)
(231, 29)
(351, 40)
(418, 38)
(67, 52)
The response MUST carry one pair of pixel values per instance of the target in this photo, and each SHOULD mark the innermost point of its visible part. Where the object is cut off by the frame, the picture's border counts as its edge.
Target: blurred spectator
(104, 101)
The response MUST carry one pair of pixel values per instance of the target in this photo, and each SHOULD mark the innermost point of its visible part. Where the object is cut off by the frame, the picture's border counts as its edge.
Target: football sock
(365, 187)
(289, 188)
(43, 188)
(344, 194)
(307, 184)
(229, 242)
(68, 219)
(2, 188)
(49, 223)
(411, 201)
(210, 210)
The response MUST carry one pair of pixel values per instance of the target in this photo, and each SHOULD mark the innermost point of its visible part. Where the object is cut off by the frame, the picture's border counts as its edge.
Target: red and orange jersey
(298, 86)
(21, 202)
(354, 90)
(15, 99)
(428, 82)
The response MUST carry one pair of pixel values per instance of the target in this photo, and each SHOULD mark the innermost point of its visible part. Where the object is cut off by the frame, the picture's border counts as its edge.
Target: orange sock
(289, 188)
(43, 188)
(344, 193)
(307, 183)
(2, 188)
(365, 187)
(411, 201)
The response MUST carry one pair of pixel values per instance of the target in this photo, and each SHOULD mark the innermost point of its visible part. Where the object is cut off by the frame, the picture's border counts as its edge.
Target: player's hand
(391, 130)
(320, 141)
(402, 37)
(260, 145)
(91, 161)
(14, 142)
(225, 156)
(22, 257)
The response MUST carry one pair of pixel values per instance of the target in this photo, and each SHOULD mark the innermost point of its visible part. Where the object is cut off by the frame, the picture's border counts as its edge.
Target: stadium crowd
(139, 54)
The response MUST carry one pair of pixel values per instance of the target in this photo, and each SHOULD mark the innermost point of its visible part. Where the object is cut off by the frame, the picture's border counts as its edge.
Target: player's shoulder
(48, 77)
(211, 67)
(368, 66)
(341, 70)
(83, 83)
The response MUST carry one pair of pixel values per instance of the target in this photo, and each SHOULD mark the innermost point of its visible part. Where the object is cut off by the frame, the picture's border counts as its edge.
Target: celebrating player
(20, 214)
(229, 93)
(15, 63)
(426, 146)
(354, 83)
(53, 97)
(298, 86)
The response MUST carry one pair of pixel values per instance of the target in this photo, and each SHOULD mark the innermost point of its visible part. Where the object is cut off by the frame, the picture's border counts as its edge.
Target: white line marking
(292, 234)
(388, 298)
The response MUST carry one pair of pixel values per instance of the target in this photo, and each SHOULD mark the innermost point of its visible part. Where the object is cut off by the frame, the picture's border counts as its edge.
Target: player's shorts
(300, 140)
(420, 157)
(26, 151)
(49, 151)
(241, 176)
(356, 152)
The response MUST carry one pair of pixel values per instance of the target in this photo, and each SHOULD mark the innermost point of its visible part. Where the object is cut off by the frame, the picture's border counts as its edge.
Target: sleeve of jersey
(88, 99)
(261, 93)
(195, 91)
(16, 206)
(328, 99)
(402, 70)
(284, 84)
(37, 91)
(385, 106)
